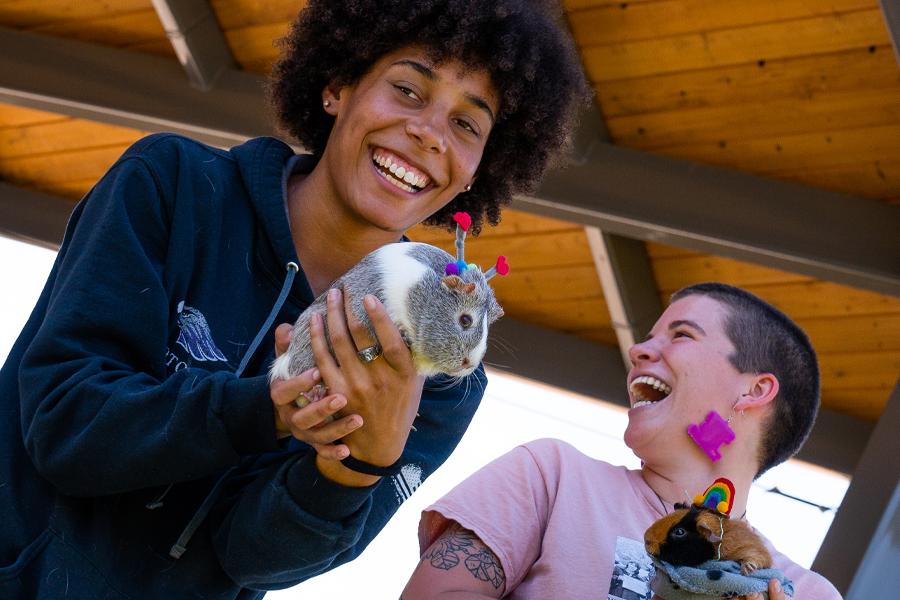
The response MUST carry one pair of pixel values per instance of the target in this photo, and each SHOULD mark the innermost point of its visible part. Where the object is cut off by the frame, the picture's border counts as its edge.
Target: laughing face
(679, 373)
(407, 138)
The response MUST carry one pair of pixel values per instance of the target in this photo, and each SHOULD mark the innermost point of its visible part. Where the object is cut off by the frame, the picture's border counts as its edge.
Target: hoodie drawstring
(292, 269)
(181, 545)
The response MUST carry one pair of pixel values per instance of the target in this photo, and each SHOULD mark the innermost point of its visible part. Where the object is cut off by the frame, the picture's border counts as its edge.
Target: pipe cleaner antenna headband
(463, 222)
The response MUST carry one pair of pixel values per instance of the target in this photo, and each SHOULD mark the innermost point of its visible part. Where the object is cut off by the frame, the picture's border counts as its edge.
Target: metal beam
(128, 88)
(891, 11)
(199, 43)
(861, 550)
(628, 286)
(778, 224)
(33, 217)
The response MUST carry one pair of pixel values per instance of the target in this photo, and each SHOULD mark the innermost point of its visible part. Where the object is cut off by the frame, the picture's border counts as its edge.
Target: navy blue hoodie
(123, 426)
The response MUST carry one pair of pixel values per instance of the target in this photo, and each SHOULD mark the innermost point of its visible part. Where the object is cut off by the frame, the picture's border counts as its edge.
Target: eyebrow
(430, 75)
(689, 323)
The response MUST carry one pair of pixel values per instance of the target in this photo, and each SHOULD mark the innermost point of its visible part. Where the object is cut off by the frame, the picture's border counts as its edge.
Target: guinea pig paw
(748, 568)
(404, 335)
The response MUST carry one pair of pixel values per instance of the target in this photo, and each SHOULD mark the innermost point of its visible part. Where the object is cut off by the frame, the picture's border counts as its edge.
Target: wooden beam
(126, 88)
(891, 11)
(860, 552)
(628, 286)
(728, 213)
(621, 191)
(33, 217)
(198, 40)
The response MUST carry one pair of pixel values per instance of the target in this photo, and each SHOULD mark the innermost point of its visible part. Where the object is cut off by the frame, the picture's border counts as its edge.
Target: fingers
(395, 350)
(319, 345)
(362, 337)
(283, 338)
(341, 341)
(775, 591)
(285, 391)
(311, 423)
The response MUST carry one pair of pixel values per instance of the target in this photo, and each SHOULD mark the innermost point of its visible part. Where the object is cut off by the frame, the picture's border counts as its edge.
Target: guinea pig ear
(451, 282)
(710, 528)
(495, 311)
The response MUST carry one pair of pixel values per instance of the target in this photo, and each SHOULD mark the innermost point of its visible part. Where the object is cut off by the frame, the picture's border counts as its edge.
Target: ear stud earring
(326, 103)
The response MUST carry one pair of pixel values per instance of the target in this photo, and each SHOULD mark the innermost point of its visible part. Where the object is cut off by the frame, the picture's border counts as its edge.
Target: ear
(495, 311)
(451, 282)
(331, 99)
(709, 527)
(762, 388)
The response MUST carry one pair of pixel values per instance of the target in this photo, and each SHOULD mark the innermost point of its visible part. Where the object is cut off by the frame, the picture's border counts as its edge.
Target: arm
(298, 519)
(94, 376)
(457, 565)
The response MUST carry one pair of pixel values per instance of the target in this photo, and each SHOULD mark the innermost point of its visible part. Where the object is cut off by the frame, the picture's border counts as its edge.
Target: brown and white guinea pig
(443, 319)
(693, 535)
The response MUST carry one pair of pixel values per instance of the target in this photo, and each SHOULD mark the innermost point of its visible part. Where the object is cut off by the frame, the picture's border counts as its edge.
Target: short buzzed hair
(768, 341)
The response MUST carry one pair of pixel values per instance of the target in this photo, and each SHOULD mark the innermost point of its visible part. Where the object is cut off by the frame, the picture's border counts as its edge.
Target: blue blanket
(714, 578)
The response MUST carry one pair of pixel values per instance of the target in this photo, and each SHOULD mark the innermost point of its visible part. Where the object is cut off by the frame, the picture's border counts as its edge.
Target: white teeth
(653, 382)
(399, 184)
(657, 384)
(401, 173)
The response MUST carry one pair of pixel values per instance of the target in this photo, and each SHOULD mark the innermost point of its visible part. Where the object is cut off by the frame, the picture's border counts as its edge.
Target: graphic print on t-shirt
(632, 573)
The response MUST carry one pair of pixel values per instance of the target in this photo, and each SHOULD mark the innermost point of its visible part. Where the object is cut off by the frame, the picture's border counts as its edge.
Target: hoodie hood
(265, 164)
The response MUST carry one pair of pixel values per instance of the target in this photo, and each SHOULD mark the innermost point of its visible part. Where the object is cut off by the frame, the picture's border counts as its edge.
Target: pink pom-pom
(502, 267)
(463, 220)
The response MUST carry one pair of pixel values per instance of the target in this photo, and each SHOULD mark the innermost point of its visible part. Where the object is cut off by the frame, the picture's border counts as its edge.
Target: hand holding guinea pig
(425, 312)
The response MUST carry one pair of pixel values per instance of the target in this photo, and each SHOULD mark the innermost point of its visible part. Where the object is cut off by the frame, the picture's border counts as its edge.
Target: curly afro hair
(519, 43)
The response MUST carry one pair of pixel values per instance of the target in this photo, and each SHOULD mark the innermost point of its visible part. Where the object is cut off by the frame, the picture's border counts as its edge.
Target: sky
(513, 411)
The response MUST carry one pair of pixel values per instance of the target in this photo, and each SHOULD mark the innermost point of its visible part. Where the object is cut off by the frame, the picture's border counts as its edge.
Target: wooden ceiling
(800, 90)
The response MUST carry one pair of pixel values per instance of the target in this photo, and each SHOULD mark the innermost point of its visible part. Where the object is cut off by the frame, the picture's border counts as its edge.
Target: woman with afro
(145, 452)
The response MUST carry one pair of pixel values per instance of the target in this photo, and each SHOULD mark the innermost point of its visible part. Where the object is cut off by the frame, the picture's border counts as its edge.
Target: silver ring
(369, 354)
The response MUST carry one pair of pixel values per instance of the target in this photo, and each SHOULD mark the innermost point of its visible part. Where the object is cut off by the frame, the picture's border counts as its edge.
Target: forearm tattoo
(458, 545)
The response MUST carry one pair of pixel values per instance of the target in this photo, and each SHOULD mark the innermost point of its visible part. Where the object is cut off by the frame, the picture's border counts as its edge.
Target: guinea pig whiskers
(498, 366)
(502, 344)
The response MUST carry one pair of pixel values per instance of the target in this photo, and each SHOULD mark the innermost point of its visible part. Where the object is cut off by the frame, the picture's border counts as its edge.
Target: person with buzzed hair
(546, 521)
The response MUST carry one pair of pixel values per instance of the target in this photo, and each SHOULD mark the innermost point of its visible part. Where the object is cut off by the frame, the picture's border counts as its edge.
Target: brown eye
(465, 321)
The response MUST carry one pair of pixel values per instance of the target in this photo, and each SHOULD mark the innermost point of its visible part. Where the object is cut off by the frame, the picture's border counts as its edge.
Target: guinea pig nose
(466, 363)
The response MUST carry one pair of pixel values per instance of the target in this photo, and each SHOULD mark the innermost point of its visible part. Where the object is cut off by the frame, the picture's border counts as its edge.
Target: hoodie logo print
(195, 336)
(406, 481)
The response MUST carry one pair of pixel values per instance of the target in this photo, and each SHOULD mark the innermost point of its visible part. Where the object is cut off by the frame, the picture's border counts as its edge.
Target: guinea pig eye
(679, 532)
(465, 321)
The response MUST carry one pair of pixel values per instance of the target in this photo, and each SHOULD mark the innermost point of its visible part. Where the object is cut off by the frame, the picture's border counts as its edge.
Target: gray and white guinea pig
(443, 319)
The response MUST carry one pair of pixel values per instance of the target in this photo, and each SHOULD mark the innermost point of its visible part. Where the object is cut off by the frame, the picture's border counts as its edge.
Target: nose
(466, 363)
(643, 351)
(427, 134)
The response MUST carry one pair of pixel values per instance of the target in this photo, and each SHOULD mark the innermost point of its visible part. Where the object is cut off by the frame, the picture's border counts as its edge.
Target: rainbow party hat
(718, 497)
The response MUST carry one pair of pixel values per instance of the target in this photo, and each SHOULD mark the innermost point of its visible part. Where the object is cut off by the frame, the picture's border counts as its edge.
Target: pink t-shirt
(564, 525)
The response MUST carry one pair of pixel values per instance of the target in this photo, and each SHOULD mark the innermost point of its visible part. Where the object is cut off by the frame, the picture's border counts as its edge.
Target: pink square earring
(711, 433)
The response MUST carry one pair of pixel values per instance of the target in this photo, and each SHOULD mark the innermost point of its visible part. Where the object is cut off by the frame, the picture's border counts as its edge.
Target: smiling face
(679, 373)
(407, 138)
